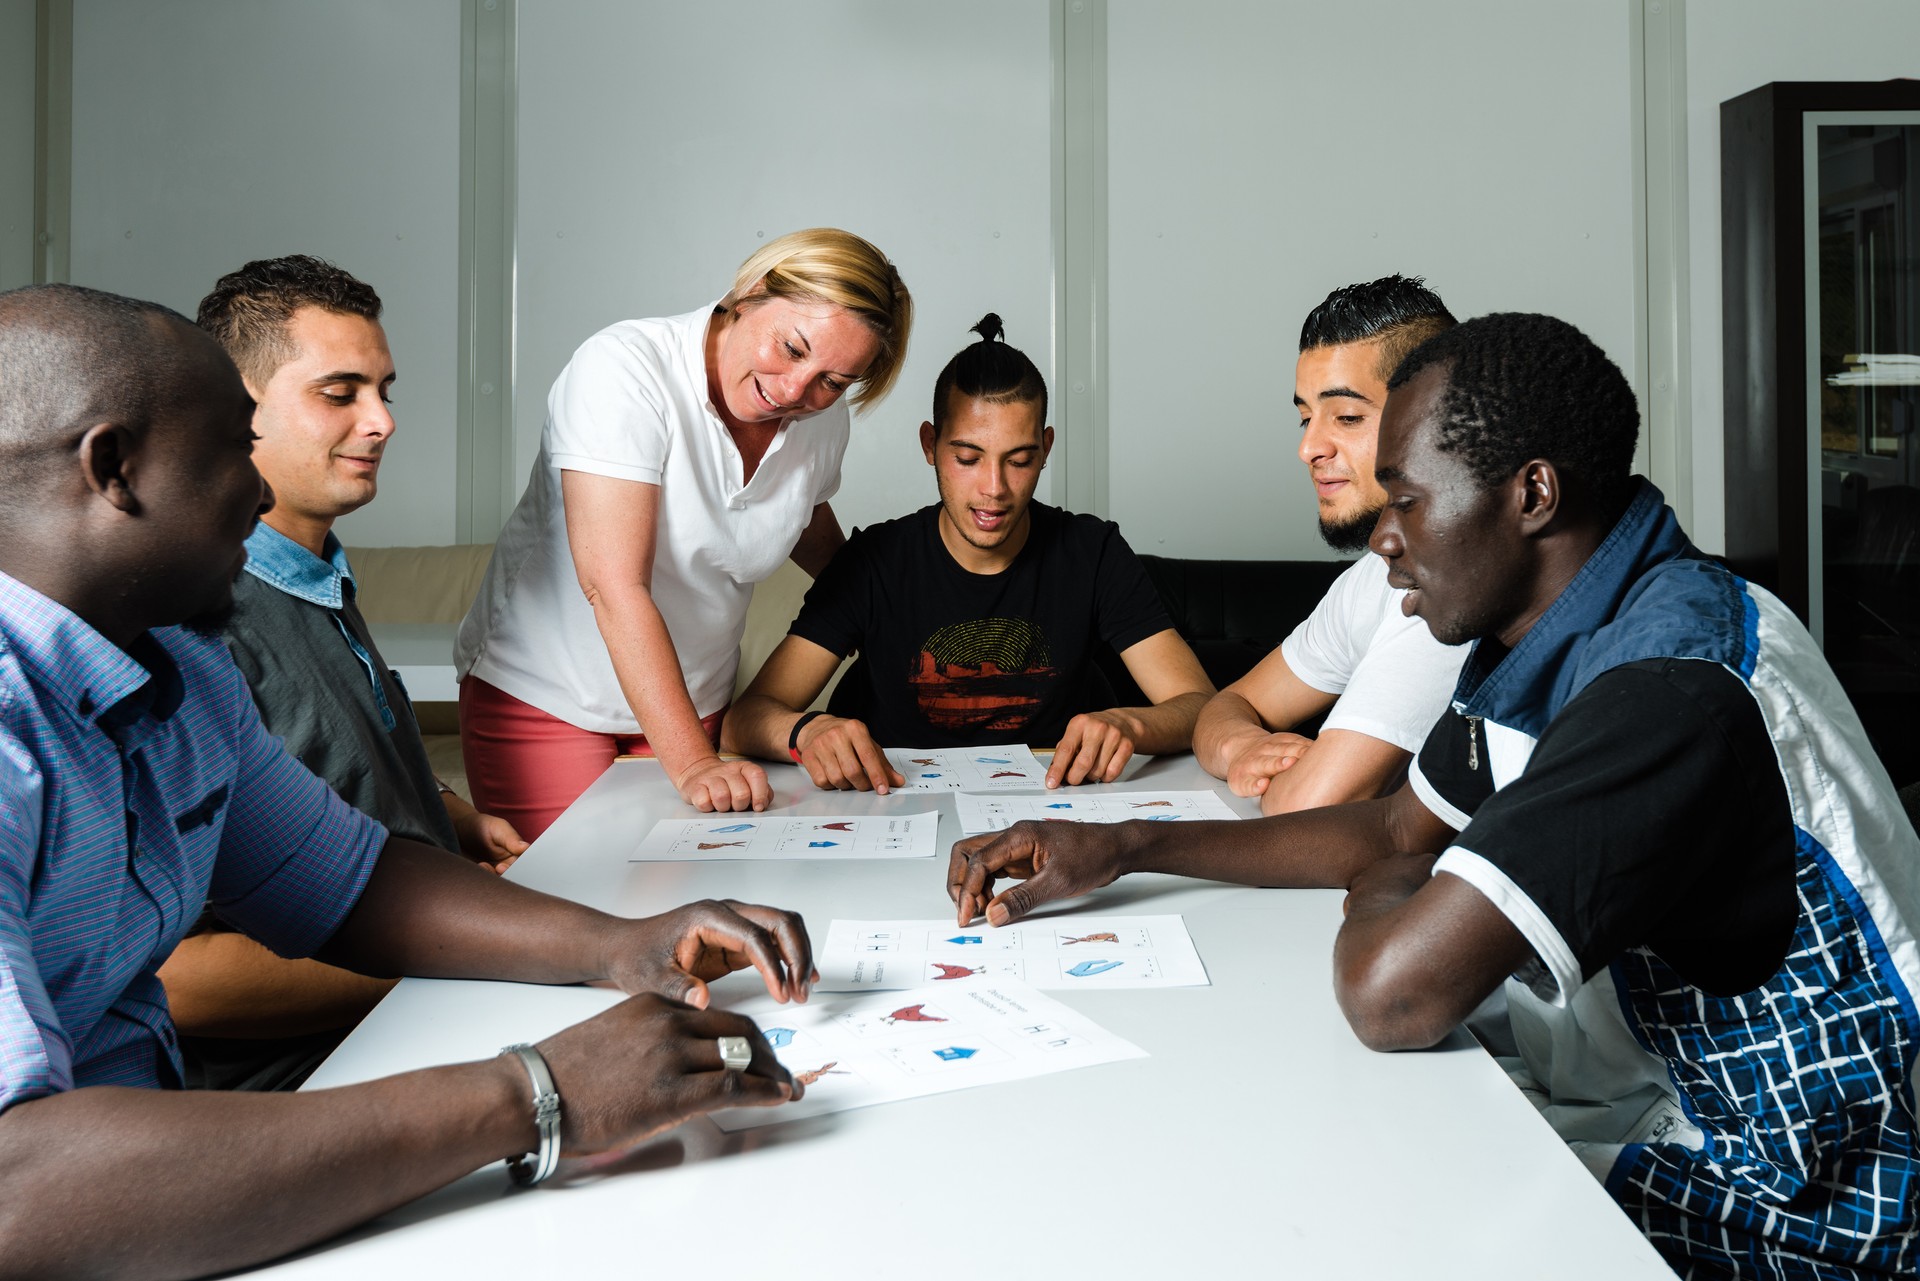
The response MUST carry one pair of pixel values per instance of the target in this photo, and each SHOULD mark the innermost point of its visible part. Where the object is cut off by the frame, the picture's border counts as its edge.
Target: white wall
(210, 132)
(1262, 155)
(1734, 46)
(16, 142)
(658, 144)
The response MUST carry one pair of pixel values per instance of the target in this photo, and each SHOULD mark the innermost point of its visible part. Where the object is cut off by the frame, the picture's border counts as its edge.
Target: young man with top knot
(977, 620)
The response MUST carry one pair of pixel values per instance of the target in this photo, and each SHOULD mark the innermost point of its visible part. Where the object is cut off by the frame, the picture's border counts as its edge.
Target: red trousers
(527, 766)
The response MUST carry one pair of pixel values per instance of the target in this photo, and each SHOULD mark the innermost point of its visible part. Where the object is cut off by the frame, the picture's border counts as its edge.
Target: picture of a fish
(991, 760)
(1106, 937)
(912, 1014)
(955, 971)
(1147, 805)
(1008, 773)
(923, 760)
(842, 826)
(779, 1037)
(721, 845)
(822, 845)
(825, 1069)
(732, 827)
(1087, 969)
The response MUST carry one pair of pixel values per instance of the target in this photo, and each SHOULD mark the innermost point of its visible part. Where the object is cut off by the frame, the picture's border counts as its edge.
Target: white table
(1258, 1137)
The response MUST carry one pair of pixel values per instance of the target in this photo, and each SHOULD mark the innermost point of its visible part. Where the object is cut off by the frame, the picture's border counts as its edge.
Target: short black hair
(989, 370)
(249, 309)
(71, 357)
(1398, 312)
(1522, 386)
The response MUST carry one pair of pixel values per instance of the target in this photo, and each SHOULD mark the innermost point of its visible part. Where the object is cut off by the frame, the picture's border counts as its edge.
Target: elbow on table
(1392, 1005)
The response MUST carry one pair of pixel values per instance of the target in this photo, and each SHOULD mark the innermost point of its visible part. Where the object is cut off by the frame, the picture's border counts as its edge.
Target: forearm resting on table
(1225, 724)
(227, 985)
(1322, 848)
(1343, 765)
(757, 725)
(109, 1181)
(1166, 727)
(432, 914)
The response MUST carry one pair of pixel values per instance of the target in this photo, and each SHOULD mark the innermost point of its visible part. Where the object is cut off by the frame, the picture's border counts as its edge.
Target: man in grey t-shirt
(308, 341)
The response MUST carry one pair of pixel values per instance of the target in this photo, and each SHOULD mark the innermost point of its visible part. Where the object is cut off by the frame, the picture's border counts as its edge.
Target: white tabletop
(1259, 1136)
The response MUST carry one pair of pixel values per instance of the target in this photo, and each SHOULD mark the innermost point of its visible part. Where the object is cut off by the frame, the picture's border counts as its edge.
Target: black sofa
(1232, 612)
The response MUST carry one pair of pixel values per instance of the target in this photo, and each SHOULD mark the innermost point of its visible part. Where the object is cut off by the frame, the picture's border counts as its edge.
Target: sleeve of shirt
(36, 1056)
(837, 613)
(606, 415)
(1326, 647)
(835, 427)
(1615, 816)
(1400, 686)
(294, 857)
(1130, 606)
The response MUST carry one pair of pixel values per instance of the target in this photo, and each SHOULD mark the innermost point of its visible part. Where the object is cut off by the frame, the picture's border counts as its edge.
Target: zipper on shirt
(1473, 742)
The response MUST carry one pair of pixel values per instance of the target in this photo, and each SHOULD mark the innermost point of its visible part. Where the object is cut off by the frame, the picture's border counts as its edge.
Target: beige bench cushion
(418, 584)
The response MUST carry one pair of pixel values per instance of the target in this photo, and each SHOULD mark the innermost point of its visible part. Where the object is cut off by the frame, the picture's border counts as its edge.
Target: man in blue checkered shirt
(137, 784)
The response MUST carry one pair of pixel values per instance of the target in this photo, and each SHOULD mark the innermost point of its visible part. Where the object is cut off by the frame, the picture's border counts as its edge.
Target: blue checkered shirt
(135, 786)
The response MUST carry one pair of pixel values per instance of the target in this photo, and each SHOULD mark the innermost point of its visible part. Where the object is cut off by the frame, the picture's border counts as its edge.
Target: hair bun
(990, 328)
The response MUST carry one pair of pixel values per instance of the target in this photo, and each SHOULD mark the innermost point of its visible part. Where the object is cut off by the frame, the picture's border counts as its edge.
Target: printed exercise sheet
(994, 813)
(1012, 768)
(1053, 952)
(732, 836)
(852, 1051)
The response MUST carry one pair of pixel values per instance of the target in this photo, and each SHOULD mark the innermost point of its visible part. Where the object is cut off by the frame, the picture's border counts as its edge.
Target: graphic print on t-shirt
(984, 674)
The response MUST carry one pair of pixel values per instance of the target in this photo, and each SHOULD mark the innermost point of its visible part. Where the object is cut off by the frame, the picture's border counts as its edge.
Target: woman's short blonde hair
(827, 265)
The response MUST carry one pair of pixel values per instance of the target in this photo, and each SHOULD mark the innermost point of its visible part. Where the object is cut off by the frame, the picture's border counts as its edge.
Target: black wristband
(793, 738)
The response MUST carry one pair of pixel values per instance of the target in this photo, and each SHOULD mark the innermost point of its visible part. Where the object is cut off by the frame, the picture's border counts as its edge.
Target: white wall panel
(210, 132)
(1734, 46)
(660, 143)
(1264, 153)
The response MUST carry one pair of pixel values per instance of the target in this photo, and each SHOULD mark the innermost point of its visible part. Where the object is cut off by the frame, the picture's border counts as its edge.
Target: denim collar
(281, 563)
(93, 678)
(1527, 687)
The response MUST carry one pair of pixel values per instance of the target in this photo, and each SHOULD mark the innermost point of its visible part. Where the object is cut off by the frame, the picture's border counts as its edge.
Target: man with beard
(1383, 675)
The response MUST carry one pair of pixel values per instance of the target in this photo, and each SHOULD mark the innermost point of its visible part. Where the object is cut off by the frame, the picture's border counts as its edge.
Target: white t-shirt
(1392, 677)
(632, 404)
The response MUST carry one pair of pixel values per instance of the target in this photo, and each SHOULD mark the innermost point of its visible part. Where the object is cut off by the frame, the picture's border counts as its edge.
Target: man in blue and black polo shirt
(1650, 813)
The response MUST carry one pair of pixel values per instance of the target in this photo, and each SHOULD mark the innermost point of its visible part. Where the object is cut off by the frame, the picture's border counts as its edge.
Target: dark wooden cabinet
(1820, 257)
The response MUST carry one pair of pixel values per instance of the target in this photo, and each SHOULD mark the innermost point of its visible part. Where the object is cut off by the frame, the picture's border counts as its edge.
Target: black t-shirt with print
(1651, 813)
(950, 658)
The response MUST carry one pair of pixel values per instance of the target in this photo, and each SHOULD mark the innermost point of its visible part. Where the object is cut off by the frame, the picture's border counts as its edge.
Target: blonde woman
(683, 459)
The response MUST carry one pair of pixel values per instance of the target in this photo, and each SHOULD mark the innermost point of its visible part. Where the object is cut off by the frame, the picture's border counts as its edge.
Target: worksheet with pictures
(1011, 768)
(856, 1050)
(995, 813)
(1053, 952)
(756, 836)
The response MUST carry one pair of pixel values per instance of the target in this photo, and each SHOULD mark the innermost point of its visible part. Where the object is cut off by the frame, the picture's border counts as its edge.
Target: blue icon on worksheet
(779, 1037)
(964, 939)
(953, 1052)
(1087, 969)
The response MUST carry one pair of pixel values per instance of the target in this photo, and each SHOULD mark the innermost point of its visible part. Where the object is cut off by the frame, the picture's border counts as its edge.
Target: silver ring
(736, 1052)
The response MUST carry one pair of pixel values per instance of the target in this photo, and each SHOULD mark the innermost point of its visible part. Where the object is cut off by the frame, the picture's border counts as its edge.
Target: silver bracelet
(546, 1116)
